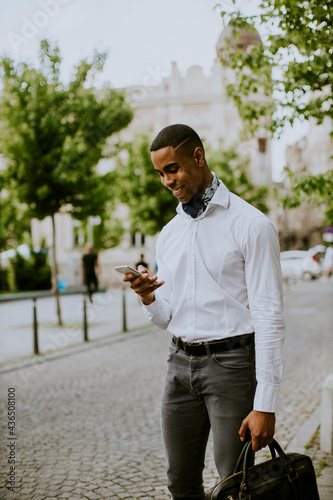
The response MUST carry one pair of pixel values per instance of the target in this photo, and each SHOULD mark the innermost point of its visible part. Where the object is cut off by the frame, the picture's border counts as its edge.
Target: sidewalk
(307, 442)
(325, 481)
(88, 415)
(104, 318)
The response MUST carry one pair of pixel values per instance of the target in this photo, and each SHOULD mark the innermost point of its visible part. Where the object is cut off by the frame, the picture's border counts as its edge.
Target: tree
(108, 232)
(14, 224)
(310, 188)
(151, 205)
(53, 135)
(294, 66)
(233, 170)
(31, 273)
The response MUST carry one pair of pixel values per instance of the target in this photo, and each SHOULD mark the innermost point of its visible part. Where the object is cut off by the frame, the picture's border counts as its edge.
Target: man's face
(183, 175)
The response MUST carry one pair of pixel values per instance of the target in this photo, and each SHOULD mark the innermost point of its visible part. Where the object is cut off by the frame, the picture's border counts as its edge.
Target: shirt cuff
(152, 308)
(265, 398)
(157, 313)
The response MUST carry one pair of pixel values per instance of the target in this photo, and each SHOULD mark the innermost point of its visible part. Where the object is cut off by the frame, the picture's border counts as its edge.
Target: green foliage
(53, 135)
(317, 189)
(30, 274)
(150, 205)
(233, 169)
(14, 225)
(306, 33)
(298, 52)
(108, 234)
(252, 88)
(4, 280)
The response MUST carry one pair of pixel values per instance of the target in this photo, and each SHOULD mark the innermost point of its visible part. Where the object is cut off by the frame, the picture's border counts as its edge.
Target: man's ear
(199, 156)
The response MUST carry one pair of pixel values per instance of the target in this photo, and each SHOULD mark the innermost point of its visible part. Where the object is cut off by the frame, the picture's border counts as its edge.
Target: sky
(141, 37)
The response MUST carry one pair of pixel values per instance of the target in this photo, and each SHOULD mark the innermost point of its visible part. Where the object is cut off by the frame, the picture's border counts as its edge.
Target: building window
(78, 234)
(262, 145)
(137, 239)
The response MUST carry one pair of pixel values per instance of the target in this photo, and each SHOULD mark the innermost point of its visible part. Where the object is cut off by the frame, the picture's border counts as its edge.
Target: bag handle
(247, 445)
(243, 463)
(240, 460)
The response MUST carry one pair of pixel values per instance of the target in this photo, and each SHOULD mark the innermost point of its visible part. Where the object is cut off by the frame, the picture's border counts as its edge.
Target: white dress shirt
(223, 278)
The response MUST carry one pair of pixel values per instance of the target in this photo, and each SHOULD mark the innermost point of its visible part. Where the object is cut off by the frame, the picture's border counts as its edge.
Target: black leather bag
(289, 476)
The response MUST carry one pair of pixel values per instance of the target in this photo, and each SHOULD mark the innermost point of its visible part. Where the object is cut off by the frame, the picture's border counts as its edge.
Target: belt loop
(177, 344)
(206, 344)
(230, 343)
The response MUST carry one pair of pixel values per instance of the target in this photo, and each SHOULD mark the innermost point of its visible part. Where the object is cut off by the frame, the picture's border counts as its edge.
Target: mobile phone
(128, 270)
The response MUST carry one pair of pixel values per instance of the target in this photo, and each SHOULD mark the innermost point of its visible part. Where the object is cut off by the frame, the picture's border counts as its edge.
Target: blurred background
(85, 86)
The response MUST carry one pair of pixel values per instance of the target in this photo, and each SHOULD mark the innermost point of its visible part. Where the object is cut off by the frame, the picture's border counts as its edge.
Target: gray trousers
(202, 393)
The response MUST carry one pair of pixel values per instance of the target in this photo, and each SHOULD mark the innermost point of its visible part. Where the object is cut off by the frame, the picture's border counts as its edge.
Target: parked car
(305, 264)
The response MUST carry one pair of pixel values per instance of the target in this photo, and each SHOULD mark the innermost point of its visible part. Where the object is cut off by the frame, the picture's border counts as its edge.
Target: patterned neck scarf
(198, 204)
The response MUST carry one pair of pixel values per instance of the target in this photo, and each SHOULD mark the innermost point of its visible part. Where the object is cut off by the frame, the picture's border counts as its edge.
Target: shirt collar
(221, 196)
(210, 190)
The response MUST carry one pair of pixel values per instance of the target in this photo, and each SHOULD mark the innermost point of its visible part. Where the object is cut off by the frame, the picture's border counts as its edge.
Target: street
(87, 425)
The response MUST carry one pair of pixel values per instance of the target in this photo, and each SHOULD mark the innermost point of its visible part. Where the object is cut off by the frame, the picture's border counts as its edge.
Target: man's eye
(174, 170)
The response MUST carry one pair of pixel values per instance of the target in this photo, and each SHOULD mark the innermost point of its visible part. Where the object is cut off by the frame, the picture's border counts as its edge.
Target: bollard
(36, 346)
(85, 323)
(124, 310)
(326, 427)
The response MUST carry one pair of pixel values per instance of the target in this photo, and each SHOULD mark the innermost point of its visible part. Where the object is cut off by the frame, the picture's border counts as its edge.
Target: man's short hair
(177, 135)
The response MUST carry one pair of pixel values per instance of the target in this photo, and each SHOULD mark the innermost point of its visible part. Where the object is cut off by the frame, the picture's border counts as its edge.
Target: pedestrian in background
(89, 270)
(220, 295)
(141, 262)
(328, 262)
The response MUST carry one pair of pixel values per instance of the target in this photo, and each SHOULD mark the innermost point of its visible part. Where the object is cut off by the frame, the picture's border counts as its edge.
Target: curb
(305, 433)
(299, 445)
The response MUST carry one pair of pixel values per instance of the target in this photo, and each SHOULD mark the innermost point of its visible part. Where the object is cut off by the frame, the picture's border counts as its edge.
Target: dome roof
(239, 38)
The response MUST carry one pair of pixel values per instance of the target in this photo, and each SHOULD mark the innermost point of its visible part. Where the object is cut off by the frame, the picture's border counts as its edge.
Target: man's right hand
(144, 285)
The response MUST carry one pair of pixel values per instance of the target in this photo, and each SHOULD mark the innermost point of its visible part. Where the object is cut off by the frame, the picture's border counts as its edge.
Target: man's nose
(168, 181)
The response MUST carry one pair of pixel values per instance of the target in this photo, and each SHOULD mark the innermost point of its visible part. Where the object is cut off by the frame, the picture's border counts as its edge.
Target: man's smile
(178, 191)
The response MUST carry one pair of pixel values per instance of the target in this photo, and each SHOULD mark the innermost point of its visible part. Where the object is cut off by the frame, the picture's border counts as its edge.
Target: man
(328, 262)
(220, 281)
(89, 266)
(141, 262)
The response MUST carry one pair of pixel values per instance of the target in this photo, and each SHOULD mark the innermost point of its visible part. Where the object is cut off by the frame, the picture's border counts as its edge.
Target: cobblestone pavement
(87, 425)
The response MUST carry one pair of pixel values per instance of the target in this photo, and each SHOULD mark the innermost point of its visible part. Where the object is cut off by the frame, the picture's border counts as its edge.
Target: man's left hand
(261, 426)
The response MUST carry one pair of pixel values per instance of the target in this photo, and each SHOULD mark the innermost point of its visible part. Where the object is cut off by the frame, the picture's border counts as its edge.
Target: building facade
(302, 227)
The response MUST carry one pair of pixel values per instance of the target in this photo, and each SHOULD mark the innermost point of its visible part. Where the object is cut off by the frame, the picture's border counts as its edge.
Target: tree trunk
(55, 272)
